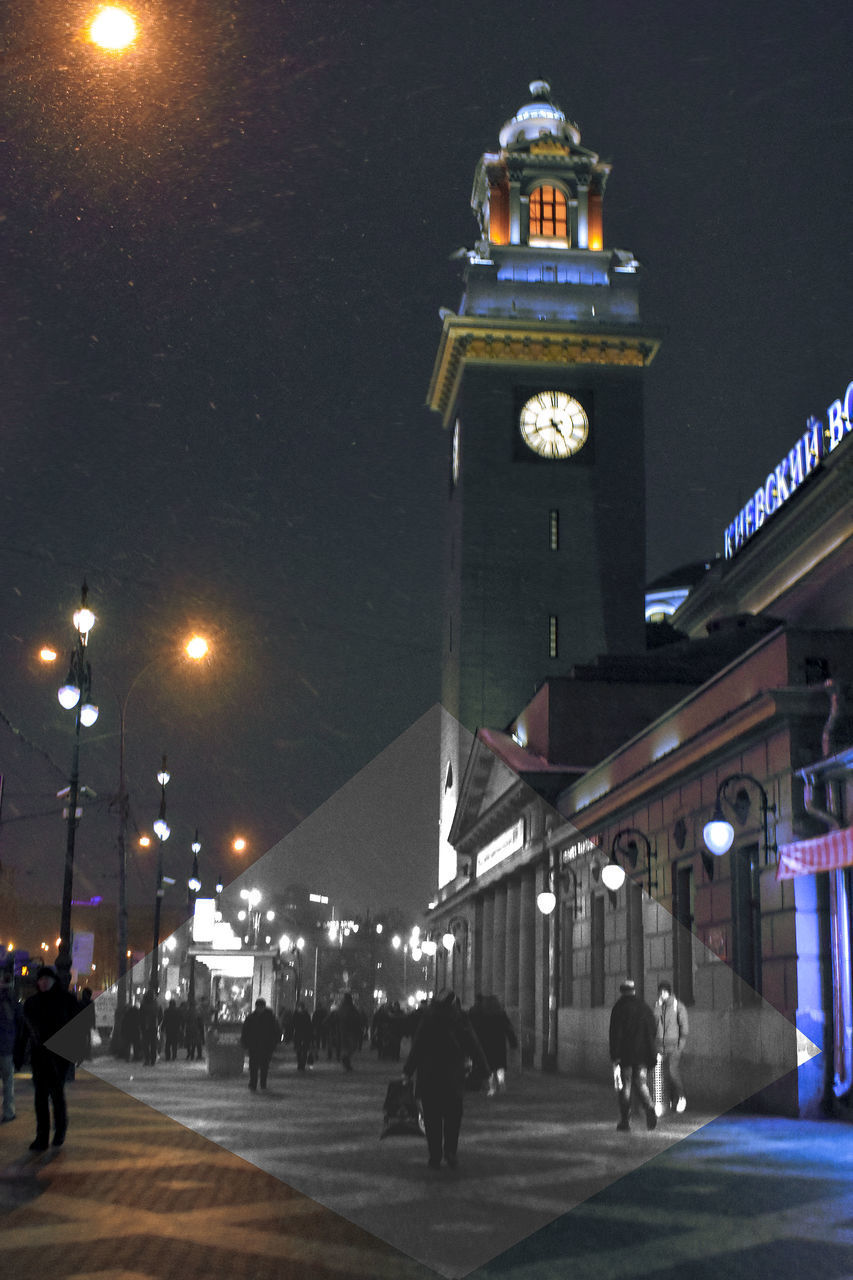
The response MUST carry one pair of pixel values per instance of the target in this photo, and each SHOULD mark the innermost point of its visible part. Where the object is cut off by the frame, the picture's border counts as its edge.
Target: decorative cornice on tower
(469, 340)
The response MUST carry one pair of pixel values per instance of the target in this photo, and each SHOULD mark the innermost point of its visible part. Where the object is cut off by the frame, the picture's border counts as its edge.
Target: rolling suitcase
(401, 1111)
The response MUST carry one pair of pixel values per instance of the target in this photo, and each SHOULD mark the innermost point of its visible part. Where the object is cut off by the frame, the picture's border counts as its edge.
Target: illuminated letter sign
(804, 456)
(505, 844)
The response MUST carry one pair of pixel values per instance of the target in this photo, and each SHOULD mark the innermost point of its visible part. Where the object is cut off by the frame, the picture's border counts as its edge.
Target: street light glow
(112, 28)
(196, 648)
(47, 654)
(238, 844)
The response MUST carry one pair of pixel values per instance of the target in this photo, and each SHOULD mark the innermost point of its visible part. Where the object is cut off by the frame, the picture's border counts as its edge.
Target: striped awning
(821, 853)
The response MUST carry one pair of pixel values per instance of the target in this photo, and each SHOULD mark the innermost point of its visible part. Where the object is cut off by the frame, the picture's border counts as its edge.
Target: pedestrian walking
(259, 1037)
(302, 1035)
(442, 1045)
(318, 1024)
(11, 1033)
(45, 1013)
(494, 1030)
(131, 1033)
(672, 1027)
(194, 1032)
(172, 1025)
(632, 1052)
(85, 1023)
(350, 1027)
(148, 1028)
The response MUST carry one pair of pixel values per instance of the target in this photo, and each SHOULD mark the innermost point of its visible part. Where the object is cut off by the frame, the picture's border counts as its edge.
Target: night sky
(223, 259)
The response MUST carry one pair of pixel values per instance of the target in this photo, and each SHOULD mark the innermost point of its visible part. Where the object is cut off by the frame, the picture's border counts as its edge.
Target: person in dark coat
(259, 1037)
(45, 1013)
(149, 1028)
(86, 1024)
(194, 1032)
(302, 1034)
(494, 1030)
(131, 1033)
(632, 1052)
(350, 1028)
(438, 1056)
(172, 1025)
(11, 1032)
(318, 1024)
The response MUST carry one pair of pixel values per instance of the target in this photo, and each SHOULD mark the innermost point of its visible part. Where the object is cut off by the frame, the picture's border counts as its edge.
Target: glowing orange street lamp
(113, 29)
(239, 844)
(196, 648)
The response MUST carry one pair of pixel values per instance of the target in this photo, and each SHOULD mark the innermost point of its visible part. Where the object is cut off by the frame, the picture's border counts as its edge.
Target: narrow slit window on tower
(548, 213)
(552, 636)
(554, 529)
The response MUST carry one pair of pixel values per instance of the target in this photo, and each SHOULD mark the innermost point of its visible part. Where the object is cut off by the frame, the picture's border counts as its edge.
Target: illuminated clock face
(554, 424)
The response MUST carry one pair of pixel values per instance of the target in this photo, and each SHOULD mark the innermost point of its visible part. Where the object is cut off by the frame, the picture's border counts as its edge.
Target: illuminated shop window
(548, 215)
(554, 529)
(552, 636)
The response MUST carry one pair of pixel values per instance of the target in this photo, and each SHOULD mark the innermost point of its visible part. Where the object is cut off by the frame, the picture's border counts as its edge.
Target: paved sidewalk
(135, 1194)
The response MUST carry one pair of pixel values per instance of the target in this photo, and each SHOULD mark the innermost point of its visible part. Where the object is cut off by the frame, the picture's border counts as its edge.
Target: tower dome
(536, 118)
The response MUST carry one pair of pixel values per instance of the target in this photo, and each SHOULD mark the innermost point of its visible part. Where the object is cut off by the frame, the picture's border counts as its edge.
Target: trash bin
(225, 1053)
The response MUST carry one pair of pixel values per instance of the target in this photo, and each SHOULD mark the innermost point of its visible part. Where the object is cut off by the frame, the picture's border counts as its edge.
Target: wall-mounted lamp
(613, 874)
(718, 833)
(546, 901)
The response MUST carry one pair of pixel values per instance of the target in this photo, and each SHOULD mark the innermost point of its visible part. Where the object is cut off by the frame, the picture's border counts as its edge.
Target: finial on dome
(540, 89)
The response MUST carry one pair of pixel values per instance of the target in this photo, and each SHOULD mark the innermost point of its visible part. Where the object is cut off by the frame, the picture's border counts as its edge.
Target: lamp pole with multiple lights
(196, 648)
(75, 693)
(193, 886)
(162, 832)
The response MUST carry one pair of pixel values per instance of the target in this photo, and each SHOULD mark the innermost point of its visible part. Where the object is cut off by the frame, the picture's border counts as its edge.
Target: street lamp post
(196, 648)
(162, 831)
(75, 693)
(193, 886)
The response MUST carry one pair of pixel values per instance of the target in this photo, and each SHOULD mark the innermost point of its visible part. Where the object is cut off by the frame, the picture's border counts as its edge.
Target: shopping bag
(401, 1111)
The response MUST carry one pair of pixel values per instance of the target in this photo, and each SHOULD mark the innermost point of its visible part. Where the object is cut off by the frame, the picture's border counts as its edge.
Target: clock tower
(539, 382)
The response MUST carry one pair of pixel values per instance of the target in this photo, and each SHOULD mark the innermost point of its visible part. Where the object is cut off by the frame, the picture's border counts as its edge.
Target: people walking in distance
(11, 1032)
(131, 1033)
(670, 1041)
(331, 1032)
(193, 1032)
(259, 1037)
(86, 1023)
(350, 1029)
(494, 1031)
(171, 1024)
(318, 1026)
(302, 1035)
(45, 1013)
(148, 1028)
(632, 1052)
(437, 1059)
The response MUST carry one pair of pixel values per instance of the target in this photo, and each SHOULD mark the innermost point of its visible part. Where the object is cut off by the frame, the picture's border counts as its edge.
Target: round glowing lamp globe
(112, 28)
(69, 696)
(718, 835)
(546, 902)
(612, 877)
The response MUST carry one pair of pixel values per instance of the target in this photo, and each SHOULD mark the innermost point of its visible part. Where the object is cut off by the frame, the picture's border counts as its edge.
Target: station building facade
(624, 761)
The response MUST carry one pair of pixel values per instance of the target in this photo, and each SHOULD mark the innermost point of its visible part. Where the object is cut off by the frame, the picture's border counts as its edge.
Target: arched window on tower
(549, 220)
